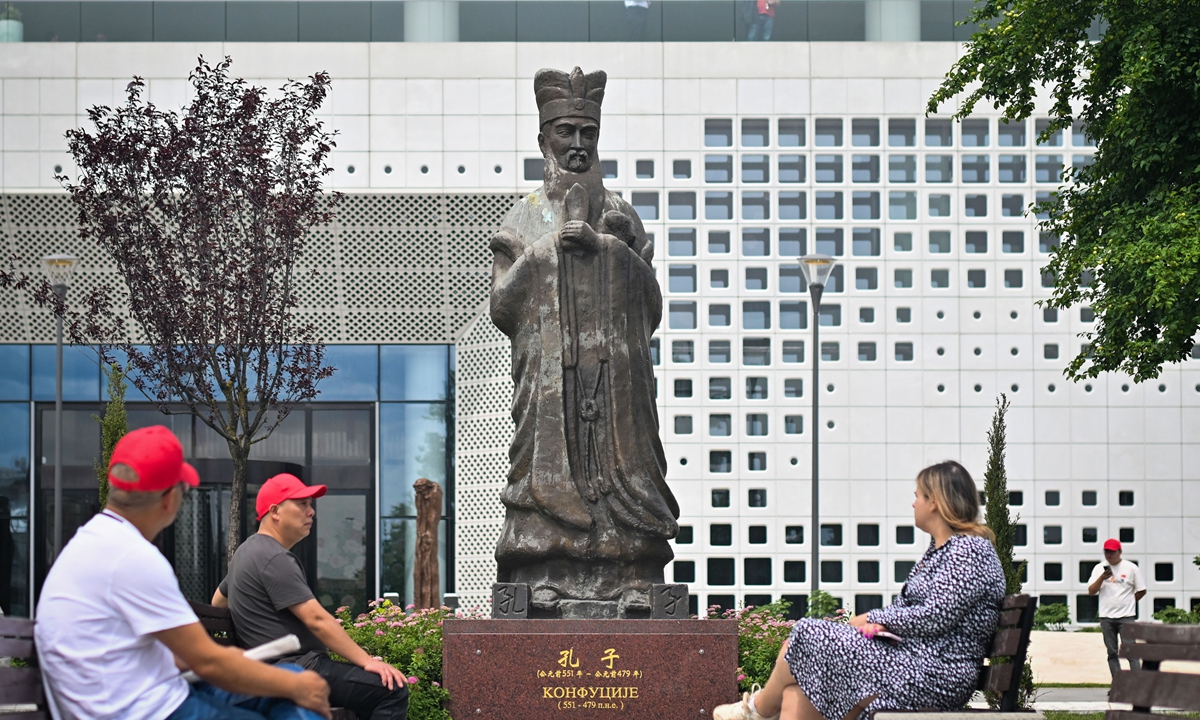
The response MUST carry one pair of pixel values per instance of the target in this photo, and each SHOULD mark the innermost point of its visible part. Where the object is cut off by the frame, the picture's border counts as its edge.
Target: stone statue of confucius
(589, 515)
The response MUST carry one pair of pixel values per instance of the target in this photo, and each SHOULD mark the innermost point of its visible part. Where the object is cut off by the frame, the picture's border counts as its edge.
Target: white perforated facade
(751, 154)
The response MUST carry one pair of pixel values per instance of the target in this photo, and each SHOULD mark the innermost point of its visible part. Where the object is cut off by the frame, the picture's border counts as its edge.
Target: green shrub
(1177, 616)
(1051, 617)
(410, 640)
(822, 605)
(761, 632)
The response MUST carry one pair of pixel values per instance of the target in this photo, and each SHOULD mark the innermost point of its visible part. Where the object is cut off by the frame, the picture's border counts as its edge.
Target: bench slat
(1161, 634)
(1146, 651)
(1014, 602)
(1149, 688)
(996, 678)
(16, 648)
(1006, 643)
(21, 686)
(16, 627)
(1008, 618)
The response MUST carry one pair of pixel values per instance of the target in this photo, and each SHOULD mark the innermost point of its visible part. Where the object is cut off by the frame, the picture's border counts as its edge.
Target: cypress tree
(1003, 526)
(113, 426)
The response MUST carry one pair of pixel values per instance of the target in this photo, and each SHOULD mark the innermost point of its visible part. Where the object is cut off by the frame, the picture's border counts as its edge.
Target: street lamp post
(816, 269)
(59, 268)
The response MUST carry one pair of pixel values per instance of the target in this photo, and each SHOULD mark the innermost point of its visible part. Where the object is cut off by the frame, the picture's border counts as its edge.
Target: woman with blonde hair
(945, 616)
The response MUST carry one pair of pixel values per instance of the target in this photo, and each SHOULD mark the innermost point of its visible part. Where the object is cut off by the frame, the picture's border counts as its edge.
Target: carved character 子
(588, 514)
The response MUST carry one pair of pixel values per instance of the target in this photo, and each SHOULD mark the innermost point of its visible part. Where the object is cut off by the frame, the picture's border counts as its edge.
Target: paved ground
(1069, 699)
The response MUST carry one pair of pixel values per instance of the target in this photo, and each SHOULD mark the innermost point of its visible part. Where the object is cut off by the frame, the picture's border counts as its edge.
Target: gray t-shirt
(264, 580)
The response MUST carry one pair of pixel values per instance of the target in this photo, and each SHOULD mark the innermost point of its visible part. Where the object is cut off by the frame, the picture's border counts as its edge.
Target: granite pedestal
(583, 669)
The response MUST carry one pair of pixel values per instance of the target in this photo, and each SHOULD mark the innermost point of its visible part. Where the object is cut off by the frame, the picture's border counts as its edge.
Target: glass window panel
(938, 133)
(14, 372)
(1011, 133)
(975, 205)
(259, 21)
(791, 132)
(682, 316)
(792, 242)
(81, 374)
(681, 242)
(645, 204)
(756, 242)
(681, 206)
(793, 350)
(793, 315)
(1079, 136)
(975, 133)
(939, 206)
(644, 169)
(341, 437)
(865, 242)
(413, 372)
(719, 351)
(793, 205)
(14, 507)
(50, 21)
(718, 133)
(864, 168)
(829, 206)
(122, 21)
(791, 168)
(902, 242)
(719, 315)
(718, 206)
(84, 445)
(681, 169)
(1011, 168)
(790, 279)
(756, 132)
(682, 278)
(830, 241)
(865, 205)
(975, 168)
(342, 552)
(718, 168)
(756, 168)
(828, 132)
(902, 132)
(756, 315)
(412, 445)
(902, 168)
(864, 132)
(830, 315)
(756, 206)
(1012, 205)
(325, 21)
(827, 168)
(902, 206)
(356, 376)
(718, 279)
(190, 22)
(939, 168)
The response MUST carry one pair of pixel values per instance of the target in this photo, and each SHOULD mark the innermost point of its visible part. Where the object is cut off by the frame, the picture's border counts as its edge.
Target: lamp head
(816, 269)
(59, 268)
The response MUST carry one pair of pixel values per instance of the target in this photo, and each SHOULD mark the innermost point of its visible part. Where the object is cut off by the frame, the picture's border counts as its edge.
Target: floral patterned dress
(946, 614)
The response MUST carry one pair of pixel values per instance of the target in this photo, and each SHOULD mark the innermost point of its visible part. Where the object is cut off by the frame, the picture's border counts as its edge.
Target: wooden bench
(1002, 673)
(1150, 688)
(21, 685)
(218, 622)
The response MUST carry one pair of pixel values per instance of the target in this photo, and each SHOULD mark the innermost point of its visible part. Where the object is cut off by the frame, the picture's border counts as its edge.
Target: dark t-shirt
(264, 580)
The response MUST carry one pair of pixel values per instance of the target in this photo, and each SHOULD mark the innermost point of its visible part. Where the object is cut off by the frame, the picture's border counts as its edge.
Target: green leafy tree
(113, 425)
(1051, 617)
(822, 605)
(1130, 222)
(1003, 526)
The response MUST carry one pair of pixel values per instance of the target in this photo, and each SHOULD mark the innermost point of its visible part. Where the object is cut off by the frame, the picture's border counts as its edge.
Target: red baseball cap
(284, 486)
(154, 453)
(1112, 544)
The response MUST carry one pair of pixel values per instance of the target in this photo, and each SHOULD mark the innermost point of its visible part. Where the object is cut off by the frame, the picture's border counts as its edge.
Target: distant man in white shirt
(113, 629)
(1120, 586)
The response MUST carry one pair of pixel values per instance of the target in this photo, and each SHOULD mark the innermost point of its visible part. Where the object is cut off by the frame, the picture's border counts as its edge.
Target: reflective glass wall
(381, 422)
(493, 21)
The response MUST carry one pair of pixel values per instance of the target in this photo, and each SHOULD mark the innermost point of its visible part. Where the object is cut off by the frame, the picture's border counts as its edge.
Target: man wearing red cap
(1120, 586)
(268, 595)
(113, 627)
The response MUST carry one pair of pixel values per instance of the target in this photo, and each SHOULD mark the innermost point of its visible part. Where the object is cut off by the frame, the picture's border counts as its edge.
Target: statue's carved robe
(588, 511)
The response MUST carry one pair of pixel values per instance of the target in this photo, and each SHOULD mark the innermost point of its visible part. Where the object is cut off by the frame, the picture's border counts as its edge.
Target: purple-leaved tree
(205, 215)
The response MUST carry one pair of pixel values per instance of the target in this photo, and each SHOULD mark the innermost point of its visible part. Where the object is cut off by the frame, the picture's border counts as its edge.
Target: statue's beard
(577, 161)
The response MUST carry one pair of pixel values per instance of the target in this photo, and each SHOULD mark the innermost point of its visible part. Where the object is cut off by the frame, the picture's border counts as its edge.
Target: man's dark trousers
(355, 689)
(1111, 628)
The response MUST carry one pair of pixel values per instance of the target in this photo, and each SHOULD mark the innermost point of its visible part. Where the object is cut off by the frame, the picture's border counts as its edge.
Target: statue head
(569, 110)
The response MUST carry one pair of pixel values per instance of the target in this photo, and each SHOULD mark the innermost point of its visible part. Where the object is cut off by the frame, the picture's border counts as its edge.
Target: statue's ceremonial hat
(575, 95)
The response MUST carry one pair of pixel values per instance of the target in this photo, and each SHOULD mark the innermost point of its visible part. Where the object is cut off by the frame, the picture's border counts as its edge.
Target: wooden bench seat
(1150, 688)
(1001, 674)
(21, 686)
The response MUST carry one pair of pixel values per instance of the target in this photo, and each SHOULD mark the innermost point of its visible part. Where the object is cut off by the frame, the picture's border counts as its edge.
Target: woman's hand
(864, 626)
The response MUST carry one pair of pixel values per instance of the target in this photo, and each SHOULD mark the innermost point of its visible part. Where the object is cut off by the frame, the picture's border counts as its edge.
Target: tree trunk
(426, 579)
(241, 462)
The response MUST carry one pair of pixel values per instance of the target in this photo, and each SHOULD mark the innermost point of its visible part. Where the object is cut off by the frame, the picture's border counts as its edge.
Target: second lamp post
(816, 270)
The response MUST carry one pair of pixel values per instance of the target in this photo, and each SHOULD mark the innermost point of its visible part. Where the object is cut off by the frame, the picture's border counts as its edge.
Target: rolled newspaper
(267, 651)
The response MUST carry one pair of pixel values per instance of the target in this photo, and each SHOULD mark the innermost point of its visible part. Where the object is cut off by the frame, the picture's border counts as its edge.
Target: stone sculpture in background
(427, 592)
(589, 515)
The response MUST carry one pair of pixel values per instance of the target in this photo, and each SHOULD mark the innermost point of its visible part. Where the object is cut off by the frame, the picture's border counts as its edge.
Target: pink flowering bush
(411, 641)
(761, 632)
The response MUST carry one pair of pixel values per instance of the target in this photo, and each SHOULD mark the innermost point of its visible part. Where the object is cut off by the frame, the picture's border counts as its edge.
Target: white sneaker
(740, 710)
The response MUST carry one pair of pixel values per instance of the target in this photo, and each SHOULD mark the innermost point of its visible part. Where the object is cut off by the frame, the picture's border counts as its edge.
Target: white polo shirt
(1117, 594)
(108, 590)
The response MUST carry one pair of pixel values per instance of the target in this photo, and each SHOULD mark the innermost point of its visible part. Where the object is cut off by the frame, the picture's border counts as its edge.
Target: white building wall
(458, 117)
